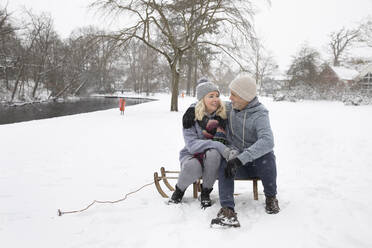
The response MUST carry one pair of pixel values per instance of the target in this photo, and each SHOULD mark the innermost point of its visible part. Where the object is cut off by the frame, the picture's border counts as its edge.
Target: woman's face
(212, 101)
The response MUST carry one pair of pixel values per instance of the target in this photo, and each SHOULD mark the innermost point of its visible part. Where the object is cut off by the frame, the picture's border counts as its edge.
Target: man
(250, 136)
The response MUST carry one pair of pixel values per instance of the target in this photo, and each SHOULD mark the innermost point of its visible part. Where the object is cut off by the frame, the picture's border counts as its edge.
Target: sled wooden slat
(177, 172)
(165, 179)
(196, 188)
(255, 189)
(196, 185)
(157, 185)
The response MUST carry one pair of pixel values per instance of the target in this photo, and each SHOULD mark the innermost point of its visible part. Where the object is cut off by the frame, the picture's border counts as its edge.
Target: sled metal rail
(164, 176)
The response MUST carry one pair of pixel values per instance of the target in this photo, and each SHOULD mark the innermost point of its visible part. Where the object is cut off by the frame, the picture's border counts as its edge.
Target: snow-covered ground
(324, 164)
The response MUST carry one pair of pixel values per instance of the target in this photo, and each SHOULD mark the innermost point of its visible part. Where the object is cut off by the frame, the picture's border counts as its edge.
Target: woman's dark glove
(220, 135)
(188, 118)
(232, 166)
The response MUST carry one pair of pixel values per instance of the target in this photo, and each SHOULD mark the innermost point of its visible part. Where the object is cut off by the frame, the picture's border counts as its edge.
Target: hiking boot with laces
(205, 199)
(272, 205)
(226, 217)
(176, 196)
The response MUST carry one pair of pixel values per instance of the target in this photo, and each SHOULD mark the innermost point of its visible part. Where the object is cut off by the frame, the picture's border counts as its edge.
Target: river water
(38, 111)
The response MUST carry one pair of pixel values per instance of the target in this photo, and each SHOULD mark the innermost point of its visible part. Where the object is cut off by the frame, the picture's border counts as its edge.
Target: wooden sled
(196, 185)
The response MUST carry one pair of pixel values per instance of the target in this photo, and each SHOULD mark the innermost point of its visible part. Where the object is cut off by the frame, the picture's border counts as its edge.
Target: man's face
(237, 102)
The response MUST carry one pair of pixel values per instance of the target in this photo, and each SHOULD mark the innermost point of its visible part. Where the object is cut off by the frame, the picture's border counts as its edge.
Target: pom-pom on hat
(204, 87)
(245, 87)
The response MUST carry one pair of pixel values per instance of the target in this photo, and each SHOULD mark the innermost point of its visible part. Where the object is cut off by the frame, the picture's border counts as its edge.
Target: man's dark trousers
(263, 168)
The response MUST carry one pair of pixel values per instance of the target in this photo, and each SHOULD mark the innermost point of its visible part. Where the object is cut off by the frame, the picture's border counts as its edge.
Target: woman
(204, 135)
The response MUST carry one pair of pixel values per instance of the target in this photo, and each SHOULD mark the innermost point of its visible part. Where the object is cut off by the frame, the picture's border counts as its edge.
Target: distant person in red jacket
(122, 106)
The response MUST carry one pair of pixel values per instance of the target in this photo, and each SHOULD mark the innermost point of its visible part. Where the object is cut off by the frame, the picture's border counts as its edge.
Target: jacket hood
(254, 106)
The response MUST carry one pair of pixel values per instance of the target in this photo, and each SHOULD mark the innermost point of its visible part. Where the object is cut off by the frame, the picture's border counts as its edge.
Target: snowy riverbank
(324, 162)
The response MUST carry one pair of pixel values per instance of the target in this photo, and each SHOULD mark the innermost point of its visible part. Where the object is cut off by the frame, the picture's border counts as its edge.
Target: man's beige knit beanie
(245, 87)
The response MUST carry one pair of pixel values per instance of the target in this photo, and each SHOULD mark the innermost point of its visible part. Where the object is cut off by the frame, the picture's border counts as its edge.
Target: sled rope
(60, 213)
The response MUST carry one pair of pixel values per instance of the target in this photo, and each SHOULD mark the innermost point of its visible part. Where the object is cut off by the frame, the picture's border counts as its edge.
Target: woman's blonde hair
(200, 110)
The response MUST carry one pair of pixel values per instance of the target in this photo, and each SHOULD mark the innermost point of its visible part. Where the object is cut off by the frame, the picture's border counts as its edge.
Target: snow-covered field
(324, 164)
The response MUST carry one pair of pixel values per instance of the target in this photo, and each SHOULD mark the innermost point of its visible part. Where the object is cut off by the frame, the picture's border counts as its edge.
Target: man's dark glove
(232, 166)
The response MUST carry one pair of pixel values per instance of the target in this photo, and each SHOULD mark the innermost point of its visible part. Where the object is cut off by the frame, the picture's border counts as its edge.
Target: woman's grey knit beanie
(204, 87)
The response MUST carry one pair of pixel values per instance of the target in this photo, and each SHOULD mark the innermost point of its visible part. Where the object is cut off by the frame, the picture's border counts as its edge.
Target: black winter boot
(226, 217)
(205, 199)
(272, 205)
(176, 196)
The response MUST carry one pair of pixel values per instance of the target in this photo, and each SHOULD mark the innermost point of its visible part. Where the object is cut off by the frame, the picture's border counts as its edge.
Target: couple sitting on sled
(226, 141)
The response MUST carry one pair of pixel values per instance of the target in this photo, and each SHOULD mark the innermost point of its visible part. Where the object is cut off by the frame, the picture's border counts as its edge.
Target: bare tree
(34, 59)
(35, 54)
(260, 62)
(340, 42)
(5, 25)
(181, 25)
(266, 67)
(87, 64)
(304, 67)
(41, 52)
(9, 44)
(223, 74)
(366, 31)
(23, 61)
(141, 64)
(197, 62)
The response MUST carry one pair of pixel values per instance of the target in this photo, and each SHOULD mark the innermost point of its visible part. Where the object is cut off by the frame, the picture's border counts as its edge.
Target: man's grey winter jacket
(249, 131)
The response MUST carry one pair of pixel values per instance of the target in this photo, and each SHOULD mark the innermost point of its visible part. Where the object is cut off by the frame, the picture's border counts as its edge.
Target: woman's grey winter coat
(195, 142)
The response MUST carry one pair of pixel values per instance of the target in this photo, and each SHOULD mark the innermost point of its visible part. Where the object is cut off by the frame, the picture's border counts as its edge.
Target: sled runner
(165, 175)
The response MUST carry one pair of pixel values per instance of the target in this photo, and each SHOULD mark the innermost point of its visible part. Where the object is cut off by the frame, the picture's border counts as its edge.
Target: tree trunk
(189, 71)
(336, 61)
(17, 81)
(14, 90)
(62, 91)
(141, 84)
(175, 84)
(79, 87)
(35, 88)
(6, 78)
(195, 64)
(175, 69)
(257, 68)
(147, 83)
(147, 80)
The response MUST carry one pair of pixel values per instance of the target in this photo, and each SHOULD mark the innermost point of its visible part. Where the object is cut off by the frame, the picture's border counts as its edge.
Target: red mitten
(211, 125)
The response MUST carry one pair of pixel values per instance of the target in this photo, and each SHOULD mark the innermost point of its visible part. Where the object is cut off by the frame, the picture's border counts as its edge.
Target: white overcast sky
(284, 26)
